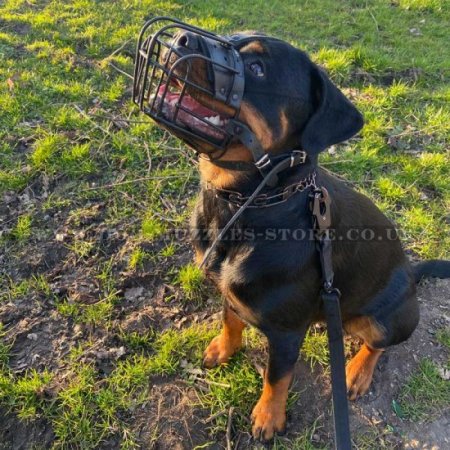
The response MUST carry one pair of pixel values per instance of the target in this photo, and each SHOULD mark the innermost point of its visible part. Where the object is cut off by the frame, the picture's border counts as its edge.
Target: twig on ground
(229, 422)
(83, 113)
(136, 180)
(243, 417)
(149, 158)
(117, 50)
(118, 69)
(214, 416)
(238, 441)
(115, 118)
(210, 382)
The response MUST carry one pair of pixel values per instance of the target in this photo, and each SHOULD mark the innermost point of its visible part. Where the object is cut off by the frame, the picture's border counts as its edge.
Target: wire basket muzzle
(167, 88)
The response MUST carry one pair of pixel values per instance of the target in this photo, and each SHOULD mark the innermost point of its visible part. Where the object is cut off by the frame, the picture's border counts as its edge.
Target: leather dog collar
(265, 163)
(279, 195)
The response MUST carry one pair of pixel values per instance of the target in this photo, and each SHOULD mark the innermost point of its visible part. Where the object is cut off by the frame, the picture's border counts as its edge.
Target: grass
(4, 350)
(443, 337)
(76, 159)
(137, 258)
(190, 278)
(235, 384)
(425, 393)
(36, 284)
(22, 230)
(299, 442)
(152, 228)
(83, 410)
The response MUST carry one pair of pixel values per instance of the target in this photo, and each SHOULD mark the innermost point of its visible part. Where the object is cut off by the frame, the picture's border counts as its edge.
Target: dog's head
(287, 101)
(290, 103)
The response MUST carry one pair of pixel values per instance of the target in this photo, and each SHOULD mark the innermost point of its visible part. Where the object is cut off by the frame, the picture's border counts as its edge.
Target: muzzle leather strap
(263, 162)
(247, 137)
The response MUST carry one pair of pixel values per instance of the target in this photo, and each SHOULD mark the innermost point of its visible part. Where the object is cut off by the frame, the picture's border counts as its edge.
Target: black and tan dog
(274, 284)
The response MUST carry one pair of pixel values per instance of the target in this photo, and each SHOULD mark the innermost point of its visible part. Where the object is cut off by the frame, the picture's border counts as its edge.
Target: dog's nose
(187, 40)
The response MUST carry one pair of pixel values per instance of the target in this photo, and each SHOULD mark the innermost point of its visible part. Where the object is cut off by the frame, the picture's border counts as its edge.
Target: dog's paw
(359, 372)
(268, 418)
(219, 351)
(358, 382)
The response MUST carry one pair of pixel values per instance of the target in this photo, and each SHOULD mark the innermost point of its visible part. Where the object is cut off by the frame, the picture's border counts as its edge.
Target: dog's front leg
(269, 414)
(228, 342)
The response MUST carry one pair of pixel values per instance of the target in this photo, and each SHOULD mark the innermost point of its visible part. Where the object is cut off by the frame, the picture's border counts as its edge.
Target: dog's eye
(257, 69)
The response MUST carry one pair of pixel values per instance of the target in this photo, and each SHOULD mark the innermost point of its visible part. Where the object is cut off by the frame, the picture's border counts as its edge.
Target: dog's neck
(223, 178)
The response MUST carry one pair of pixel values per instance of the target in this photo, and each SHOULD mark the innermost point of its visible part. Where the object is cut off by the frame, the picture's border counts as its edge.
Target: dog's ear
(334, 118)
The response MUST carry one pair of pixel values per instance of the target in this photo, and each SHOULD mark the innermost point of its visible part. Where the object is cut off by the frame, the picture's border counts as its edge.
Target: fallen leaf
(398, 410)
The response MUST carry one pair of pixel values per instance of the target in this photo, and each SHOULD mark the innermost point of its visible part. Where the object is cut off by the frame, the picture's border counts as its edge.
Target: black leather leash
(330, 296)
(321, 214)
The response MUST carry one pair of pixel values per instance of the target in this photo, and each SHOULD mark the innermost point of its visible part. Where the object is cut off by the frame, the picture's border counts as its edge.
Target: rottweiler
(272, 282)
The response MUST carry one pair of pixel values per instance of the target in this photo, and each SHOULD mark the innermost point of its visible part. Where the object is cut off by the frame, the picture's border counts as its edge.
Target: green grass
(84, 409)
(138, 341)
(137, 258)
(302, 442)
(4, 351)
(22, 230)
(98, 313)
(77, 158)
(443, 336)
(191, 280)
(152, 228)
(425, 393)
(315, 348)
(36, 284)
(236, 384)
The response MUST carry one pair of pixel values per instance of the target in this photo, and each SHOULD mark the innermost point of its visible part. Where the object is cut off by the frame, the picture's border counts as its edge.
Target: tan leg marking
(269, 414)
(229, 341)
(359, 371)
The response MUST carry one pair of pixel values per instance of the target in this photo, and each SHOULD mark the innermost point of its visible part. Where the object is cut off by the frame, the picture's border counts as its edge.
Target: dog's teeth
(215, 120)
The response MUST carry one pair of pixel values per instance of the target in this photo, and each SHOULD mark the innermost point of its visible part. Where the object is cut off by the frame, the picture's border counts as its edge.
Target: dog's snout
(186, 39)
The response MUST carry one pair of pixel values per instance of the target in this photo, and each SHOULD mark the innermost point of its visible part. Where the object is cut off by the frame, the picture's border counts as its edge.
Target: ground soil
(171, 418)
(182, 426)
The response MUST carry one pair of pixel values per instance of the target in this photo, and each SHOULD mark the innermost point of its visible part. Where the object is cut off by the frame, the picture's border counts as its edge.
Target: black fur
(274, 284)
(434, 268)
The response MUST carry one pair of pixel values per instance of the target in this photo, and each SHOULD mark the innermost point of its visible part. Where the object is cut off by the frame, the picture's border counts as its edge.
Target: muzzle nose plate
(228, 85)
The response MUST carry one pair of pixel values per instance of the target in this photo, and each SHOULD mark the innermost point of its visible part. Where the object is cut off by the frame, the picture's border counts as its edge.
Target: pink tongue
(188, 102)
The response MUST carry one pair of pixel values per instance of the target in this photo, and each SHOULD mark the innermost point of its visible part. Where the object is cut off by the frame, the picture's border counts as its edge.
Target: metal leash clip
(320, 208)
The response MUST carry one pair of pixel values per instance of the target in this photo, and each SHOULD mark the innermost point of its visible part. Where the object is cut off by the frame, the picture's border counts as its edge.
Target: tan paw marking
(219, 351)
(359, 371)
(268, 418)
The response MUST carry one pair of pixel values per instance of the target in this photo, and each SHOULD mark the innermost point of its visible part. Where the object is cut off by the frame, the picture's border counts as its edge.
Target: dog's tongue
(191, 113)
(187, 102)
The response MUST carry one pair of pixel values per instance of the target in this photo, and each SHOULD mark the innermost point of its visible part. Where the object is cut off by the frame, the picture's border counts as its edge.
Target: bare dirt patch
(171, 419)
